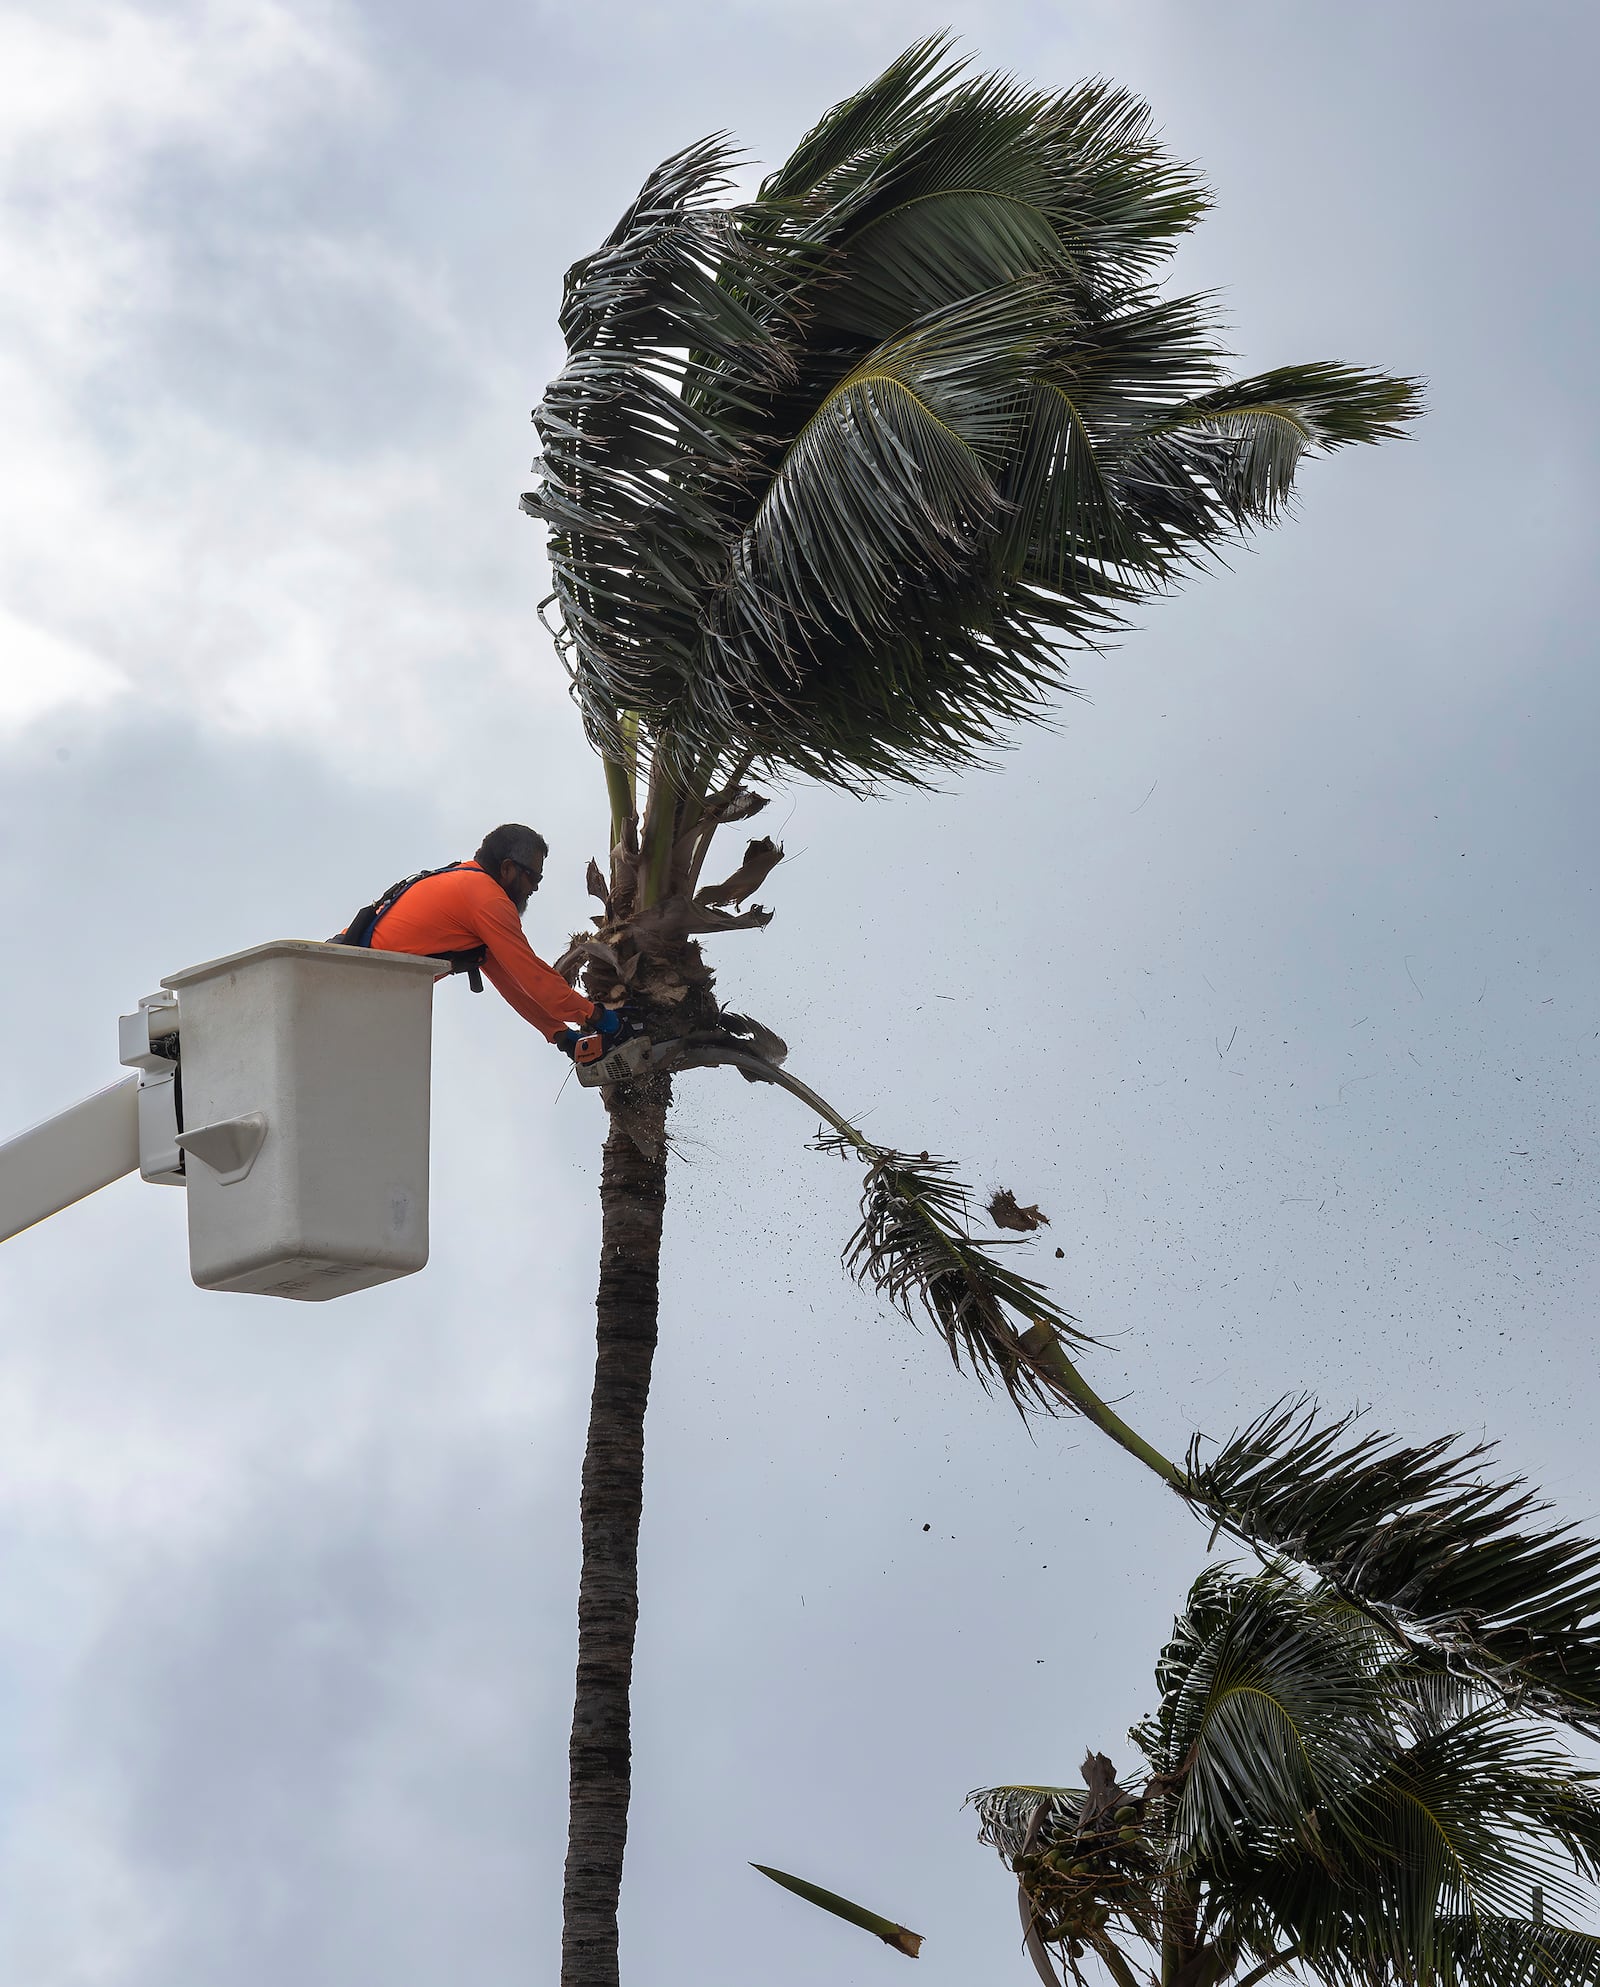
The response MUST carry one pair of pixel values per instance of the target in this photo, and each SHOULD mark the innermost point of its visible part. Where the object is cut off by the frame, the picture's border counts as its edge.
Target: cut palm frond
(902, 1940)
(914, 1247)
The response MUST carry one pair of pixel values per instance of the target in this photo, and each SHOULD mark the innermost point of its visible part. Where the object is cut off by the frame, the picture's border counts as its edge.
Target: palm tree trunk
(633, 1195)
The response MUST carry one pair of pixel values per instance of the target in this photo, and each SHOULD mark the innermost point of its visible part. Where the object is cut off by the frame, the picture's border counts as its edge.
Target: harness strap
(365, 922)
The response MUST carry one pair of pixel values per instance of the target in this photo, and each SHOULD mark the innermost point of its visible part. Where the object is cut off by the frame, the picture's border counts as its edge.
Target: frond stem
(707, 836)
(618, 792)
(659, 830)
(1270, 1966)
(1113, 1962)
(1039, 1342)
(691, 808)
(1043, 1345)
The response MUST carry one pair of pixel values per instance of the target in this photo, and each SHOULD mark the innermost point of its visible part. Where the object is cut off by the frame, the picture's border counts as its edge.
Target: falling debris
(909, 1943)
(1005, 1212)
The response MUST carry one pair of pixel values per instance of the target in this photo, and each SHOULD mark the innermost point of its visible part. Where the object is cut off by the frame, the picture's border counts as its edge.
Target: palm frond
(1420, 1538)
(1534, 1815)
(1487, 1951)
(913, 1247)
(1071, 525)
(1314, 1795)
(1429, 1696)
(1007, 1814)
(989, 182)
(1228, 458)
(891, 1933)
(860, 127)
(1271, 1711)
(891, 479)
(934, 251)
(1124, 201)
(1083, 1864)
(635, 478)
(1447, 1829)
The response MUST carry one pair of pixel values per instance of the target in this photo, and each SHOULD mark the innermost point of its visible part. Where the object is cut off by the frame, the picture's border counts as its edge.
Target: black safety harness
(361, 927)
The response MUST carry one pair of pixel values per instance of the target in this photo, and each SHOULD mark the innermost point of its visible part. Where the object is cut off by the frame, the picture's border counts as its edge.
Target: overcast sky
(1271, 975)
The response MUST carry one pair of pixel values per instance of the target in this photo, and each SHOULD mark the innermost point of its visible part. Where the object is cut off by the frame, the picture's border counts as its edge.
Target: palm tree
(1323, 1798)
(836, 479)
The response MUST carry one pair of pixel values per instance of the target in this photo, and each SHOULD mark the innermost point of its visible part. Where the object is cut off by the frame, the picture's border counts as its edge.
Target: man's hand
(612, 1024)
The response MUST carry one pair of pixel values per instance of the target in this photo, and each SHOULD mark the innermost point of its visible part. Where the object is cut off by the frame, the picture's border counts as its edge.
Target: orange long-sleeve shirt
(465, 908)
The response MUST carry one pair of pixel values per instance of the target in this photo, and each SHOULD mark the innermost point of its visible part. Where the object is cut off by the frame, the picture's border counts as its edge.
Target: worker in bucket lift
(469, 914)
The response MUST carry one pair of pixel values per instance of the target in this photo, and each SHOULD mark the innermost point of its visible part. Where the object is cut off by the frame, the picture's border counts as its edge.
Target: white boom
(69, 1156)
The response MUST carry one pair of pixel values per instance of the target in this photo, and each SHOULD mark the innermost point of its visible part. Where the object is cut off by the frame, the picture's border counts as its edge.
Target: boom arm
(73, 1154)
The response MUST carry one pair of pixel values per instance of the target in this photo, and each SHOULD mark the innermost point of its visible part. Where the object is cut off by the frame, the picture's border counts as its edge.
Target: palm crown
(1321, 1797)
(837, 476)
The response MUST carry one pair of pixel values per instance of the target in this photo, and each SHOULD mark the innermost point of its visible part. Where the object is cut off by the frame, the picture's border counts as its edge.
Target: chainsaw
(637, 1056)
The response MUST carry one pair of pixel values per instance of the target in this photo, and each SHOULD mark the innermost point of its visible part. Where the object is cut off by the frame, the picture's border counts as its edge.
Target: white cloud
(92, 83)
(39, 671)
(185, 523)
(91, 98)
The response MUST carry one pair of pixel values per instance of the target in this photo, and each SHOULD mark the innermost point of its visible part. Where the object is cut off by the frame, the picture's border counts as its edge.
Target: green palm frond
(891, 480)
(1228, 458)
(962, 205)
(635, 477)
(859, 129)
(1271, 1710)
(1421, 1539)
(1429, 1696)
(1123, 200)
(1456, 1825)
(982, 184)
(1552, 1806)
(1079, 517)
(1313, 1799)
(1485, 1951)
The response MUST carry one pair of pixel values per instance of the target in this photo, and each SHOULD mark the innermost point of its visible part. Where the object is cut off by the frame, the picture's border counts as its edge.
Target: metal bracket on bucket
(228, 1147)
